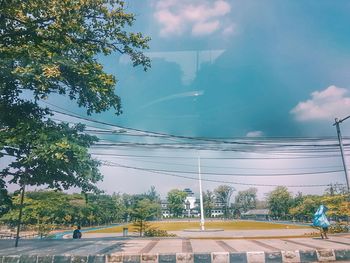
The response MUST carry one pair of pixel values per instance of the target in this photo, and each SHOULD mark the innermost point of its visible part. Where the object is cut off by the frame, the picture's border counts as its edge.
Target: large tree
(208, 202)
(223, 194)
(143, 211)
(176, 201)
(279, 201)
(246, 200)
(51, 47)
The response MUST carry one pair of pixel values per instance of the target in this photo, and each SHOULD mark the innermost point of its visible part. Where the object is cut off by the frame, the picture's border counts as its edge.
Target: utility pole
(336, 124)
(200, 194)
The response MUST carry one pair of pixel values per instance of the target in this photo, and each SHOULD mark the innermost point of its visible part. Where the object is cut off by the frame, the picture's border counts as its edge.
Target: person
(320, 221)
(77, 233)
(324, 231)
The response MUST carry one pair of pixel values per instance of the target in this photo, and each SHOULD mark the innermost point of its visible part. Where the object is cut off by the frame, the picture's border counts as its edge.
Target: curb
(324, 255)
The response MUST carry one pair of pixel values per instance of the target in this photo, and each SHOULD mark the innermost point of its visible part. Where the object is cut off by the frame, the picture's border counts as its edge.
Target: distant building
(218, 210)
(165, 209)
(192, 207)
(257, 214)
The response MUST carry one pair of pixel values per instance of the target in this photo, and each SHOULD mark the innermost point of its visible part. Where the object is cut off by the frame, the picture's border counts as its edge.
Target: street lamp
(336, 124)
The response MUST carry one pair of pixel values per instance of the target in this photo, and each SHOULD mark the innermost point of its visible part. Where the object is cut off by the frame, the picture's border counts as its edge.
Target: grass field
(181, 225)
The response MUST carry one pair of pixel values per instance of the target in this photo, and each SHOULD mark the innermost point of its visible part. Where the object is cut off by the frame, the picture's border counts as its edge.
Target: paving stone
(253, 257)
(79, 259)
(308, 255)
(28, 259)
(220, 257)
(97, 259)
(202, 258)
(184, 258)
(114, 258)
(149, 258)
(132, 258)
(273, 257)
(342, 254)
(325, 255)
(45, 259)
(167, 258)
(238, 257)
(11, 259)
(290, 257)
(61, 259)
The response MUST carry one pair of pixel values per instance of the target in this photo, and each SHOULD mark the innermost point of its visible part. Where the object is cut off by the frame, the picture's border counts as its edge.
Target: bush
(339, 228)
(153, 232)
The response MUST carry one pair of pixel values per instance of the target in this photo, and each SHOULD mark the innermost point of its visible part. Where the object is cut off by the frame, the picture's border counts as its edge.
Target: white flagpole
(200, 193)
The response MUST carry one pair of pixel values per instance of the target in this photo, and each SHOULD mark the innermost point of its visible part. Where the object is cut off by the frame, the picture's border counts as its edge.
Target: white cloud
(255, 134)
(324, 105)
(203, 17)
(205, 28)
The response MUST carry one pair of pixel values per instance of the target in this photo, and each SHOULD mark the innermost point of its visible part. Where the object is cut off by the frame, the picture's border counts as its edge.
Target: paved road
(93, 246)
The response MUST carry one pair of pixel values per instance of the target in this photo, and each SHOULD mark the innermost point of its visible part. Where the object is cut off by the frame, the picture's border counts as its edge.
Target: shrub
(153, 232)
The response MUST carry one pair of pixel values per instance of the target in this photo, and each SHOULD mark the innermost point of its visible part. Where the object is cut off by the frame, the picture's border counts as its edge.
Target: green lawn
(181, 225)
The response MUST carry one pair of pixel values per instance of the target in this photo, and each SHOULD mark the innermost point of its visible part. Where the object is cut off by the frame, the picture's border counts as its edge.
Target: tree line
(47, 210)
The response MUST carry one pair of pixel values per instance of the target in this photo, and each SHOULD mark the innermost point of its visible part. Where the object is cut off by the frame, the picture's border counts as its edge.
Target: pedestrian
(77, 233)
(320, 221)
(324, 231)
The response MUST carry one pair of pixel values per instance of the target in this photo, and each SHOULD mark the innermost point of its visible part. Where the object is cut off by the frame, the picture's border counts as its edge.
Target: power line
(74, 115)
(237, 174)
(233, 167)
(214, 181)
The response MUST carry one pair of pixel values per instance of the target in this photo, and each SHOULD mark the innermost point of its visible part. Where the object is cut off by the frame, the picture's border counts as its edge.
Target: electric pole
(336, 124)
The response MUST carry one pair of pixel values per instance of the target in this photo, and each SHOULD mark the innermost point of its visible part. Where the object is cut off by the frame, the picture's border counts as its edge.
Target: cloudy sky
(230, 69)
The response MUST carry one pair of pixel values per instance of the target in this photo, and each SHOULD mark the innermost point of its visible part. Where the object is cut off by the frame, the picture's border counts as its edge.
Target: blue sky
(224, 68)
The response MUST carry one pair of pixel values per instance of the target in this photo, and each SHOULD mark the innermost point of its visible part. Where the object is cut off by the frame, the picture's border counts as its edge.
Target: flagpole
(200, 194)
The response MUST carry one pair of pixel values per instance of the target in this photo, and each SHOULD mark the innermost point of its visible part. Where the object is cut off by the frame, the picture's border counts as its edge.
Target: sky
(229, 69)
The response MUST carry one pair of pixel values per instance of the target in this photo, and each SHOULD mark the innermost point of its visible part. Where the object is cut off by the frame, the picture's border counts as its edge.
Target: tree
(336, 189)
(208, 202)
(43, 210)
(305, 209)
(279, 201)
(176, 200)
(5, 200)
(51, 47)
(144, 210)
(223, 194)
(246, 200)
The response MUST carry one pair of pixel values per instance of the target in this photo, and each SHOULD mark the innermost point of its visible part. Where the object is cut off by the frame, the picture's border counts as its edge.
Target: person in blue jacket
(77, 233)
(320, 221)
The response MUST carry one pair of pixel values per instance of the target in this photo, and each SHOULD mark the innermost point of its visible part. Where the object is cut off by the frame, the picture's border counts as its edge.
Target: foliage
(5, 200)
(339, 228)
(246, 200)
(279, 201)
(176, 199)
(336, 189)
(153, 232)
(338, 207)
(51, 47)
(208, 202)
(144, 210)
(223, 194)
(305, 210)
(46, 152)
(45, 210)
